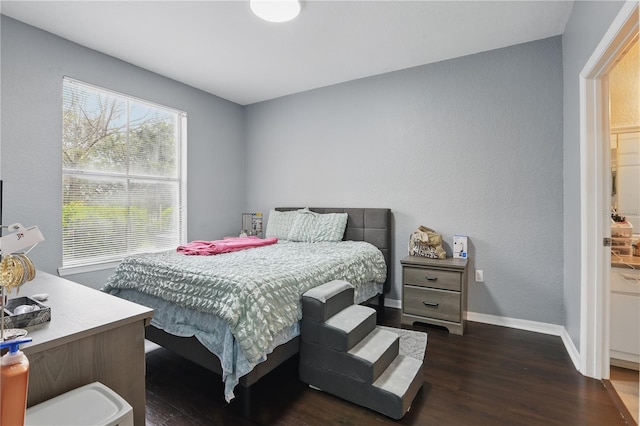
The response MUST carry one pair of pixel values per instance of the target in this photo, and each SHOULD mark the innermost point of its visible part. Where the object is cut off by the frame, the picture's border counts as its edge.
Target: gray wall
(32, 66)
(471, 145)
(587, 25)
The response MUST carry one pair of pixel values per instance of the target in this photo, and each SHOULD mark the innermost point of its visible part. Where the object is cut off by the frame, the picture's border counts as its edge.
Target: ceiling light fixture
(275, 10)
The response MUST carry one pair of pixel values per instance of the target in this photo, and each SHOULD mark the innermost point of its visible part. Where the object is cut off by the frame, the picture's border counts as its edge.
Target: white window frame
(98, 264)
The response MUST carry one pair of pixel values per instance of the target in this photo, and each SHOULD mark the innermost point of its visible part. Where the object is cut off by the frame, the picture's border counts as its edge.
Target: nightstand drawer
(425, 302)
(448, 280)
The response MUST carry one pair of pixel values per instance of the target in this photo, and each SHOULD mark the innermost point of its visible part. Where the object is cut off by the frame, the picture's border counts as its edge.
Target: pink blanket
(206, 248)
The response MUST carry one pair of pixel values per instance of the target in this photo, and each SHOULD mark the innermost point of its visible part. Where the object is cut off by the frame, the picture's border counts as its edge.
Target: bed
(221, 336)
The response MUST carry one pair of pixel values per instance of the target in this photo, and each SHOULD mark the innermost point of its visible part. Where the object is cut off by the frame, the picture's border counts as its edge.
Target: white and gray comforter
(256, 292)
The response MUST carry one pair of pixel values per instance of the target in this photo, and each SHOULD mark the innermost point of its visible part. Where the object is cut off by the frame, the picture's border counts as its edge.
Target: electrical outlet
(479, 276)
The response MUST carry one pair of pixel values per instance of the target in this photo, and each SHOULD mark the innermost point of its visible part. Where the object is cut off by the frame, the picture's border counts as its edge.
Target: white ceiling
(222, 48)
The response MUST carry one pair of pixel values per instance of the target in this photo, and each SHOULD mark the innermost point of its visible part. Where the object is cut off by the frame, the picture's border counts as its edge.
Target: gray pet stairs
(342, 352)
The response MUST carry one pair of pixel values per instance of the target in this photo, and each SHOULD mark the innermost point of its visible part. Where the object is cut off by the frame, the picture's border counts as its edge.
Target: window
(123, 177)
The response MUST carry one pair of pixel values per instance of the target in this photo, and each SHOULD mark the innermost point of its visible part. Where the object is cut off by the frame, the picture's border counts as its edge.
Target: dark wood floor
(490, 376)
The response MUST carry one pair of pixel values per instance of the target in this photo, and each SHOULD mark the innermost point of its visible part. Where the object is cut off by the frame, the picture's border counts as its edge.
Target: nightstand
(434, 292)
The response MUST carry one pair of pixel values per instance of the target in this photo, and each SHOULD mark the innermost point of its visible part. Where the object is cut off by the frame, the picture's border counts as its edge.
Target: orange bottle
(14, 383)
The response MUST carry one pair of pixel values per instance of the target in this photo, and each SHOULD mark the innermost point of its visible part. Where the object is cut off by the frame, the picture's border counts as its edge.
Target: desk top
(77, 311)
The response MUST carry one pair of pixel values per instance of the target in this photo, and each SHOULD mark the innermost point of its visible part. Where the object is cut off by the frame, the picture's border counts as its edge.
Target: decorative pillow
(310, 227)
(279, 224)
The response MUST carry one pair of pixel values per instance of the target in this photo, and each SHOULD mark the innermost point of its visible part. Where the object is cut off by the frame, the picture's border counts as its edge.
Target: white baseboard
(625, 356)
(623, 363)
(571, 349)
(520, 324)
(535, 326)
(538, 327)
(392, 303)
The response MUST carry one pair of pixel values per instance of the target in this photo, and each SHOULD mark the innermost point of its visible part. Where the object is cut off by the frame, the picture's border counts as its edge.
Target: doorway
(596, 190)
(624, 143)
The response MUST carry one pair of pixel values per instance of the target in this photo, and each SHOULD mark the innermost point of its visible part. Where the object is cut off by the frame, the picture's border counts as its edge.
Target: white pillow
(313, 227)
(279, 224)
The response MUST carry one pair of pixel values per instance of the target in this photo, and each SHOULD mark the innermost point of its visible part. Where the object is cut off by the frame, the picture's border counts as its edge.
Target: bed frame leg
(245, 400)
(381, 305)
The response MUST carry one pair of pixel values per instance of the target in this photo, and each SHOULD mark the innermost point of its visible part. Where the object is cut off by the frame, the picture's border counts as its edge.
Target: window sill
(73, 270)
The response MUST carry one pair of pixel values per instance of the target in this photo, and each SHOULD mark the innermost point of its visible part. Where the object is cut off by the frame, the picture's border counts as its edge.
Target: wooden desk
(92, 336)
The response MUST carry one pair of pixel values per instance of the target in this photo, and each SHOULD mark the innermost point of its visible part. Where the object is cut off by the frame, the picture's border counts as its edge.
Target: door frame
(595, 191)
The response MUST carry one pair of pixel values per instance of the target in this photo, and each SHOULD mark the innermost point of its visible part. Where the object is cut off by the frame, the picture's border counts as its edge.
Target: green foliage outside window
(121, 176)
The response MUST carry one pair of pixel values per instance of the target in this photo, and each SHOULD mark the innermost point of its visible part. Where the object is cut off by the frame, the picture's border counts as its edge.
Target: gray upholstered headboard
(364, 224)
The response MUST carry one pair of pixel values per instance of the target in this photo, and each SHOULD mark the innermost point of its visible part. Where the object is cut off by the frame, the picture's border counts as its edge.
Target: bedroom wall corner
(33, 63)
(471, 145)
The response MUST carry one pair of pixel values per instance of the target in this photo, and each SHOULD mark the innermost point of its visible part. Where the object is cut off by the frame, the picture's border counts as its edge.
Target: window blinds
(122, 176)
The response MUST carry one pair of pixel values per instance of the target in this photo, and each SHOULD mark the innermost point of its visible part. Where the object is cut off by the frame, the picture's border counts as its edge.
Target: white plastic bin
(621, 229)
(92, 404)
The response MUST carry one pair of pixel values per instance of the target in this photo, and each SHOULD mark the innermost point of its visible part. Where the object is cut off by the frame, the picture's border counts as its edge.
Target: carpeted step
(344, 353)
(365, 362)
(391, 395)
(322, 302)
(401, 382)
(342, 331)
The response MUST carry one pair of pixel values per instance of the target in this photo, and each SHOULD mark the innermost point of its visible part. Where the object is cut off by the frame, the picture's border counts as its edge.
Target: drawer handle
(428, 278)
(430, 304)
